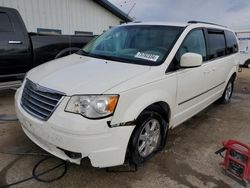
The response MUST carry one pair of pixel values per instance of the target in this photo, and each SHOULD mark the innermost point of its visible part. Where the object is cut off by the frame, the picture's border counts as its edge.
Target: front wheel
(227, 95)
(147, 137)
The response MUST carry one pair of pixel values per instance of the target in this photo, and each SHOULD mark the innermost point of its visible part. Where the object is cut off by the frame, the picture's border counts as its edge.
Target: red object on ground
(237, 159)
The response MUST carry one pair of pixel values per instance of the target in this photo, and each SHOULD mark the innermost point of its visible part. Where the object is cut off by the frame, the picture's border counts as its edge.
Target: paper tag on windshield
(150, 57)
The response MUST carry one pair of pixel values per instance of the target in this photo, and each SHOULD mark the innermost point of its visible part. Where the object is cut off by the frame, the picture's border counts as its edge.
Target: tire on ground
(151, 114)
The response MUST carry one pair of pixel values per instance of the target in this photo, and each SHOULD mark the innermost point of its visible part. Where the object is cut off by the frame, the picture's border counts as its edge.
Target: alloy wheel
(149, 138)
(228, 91)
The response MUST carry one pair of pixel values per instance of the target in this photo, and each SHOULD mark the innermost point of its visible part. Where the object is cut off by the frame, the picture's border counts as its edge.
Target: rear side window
(216, 44)
(194, 43)
(5, 25)
(232, 45)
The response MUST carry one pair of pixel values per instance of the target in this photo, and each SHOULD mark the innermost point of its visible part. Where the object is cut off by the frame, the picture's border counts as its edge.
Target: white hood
(77, 74)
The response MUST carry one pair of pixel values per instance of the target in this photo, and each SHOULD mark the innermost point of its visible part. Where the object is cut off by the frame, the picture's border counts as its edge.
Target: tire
(227, 95)
(247, 64)
(147, 137)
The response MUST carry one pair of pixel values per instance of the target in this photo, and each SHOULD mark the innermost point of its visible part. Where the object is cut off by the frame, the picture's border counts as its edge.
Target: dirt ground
(188, 160)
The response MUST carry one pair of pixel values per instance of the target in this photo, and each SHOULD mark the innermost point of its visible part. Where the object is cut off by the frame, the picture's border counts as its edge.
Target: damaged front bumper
(72, 137)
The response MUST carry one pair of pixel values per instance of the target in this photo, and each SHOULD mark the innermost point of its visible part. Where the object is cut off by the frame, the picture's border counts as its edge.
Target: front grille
(39, 101)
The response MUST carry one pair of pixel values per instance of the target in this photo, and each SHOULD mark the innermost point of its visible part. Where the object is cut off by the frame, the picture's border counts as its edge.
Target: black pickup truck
(20, 51)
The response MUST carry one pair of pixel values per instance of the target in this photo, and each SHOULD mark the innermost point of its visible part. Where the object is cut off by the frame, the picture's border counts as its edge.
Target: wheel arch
(224, 99)
(232, 75)
(165, 113)
(163, 109)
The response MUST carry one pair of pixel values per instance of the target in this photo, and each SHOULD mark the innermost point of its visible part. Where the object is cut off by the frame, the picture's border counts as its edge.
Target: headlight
(92, 106)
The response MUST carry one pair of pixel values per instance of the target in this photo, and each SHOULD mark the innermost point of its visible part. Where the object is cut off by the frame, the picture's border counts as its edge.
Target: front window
(141, 44)
(194, 43)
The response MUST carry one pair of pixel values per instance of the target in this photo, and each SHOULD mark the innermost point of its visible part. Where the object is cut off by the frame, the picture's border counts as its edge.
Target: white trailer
(244, 46)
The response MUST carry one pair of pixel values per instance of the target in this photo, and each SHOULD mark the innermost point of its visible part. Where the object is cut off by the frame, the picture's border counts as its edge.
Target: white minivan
(120, 94)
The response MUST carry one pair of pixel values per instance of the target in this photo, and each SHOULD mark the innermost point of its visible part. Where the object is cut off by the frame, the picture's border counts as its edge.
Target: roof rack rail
(137, 21)
(195, 22)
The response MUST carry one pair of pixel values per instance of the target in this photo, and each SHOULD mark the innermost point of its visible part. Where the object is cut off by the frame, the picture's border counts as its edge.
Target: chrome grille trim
(39, 101)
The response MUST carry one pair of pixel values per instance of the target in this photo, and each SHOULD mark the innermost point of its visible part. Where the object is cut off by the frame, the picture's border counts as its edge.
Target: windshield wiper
(111, 58)
(82, 52)
(105, 57)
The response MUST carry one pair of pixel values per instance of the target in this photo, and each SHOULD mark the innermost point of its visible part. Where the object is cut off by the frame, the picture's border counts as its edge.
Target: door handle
(15, 42)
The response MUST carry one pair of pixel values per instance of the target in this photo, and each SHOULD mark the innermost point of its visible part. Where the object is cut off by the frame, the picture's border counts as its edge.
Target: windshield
(140, 44)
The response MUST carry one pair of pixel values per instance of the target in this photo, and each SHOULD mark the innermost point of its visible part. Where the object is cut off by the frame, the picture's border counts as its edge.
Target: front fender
(133, 102)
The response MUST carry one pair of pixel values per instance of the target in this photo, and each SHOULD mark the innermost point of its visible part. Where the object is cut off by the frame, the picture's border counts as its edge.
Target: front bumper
(104, 146)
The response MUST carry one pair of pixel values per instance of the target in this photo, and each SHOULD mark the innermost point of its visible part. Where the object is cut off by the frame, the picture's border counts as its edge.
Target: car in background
(118, 97)
(21, 51)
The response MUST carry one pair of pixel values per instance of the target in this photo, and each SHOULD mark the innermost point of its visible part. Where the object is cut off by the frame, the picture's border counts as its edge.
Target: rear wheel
(147, 138)
(227, 95)
(247, 64)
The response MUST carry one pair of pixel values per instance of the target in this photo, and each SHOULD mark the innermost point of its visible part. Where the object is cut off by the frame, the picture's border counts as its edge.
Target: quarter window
(5, 25)
(232, 45)
(217, 44)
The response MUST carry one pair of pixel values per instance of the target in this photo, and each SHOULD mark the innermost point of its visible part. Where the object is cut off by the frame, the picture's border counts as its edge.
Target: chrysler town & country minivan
(119, 95)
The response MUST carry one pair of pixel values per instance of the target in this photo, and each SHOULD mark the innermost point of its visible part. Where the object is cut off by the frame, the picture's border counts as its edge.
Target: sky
(232, 13)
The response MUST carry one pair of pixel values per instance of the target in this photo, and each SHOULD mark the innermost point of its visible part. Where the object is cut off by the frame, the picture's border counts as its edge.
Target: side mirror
(189, 60)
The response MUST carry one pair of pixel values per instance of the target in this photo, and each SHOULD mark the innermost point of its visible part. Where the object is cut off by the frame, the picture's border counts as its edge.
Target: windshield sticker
(150, 57)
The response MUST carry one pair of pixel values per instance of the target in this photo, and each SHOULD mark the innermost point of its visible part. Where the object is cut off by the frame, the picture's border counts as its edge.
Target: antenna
(131, 9)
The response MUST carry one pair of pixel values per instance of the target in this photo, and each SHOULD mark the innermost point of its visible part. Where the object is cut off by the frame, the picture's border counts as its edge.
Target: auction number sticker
(150, 57)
